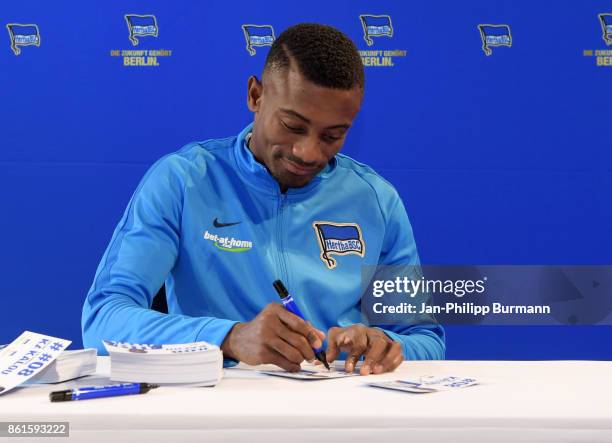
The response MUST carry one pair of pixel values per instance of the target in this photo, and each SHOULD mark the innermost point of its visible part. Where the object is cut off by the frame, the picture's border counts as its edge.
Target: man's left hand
(380, 352)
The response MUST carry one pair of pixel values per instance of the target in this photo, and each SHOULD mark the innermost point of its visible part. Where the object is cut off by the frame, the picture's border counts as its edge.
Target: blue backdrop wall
(500, 159)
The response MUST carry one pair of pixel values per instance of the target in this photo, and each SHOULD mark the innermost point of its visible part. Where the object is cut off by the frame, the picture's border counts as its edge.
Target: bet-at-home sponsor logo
(602, 56)
(141, 26)
(229, 244)
(376, 28)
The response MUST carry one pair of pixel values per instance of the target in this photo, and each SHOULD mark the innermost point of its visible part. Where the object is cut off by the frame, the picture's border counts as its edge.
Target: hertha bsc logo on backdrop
(602, 56)
(141, 26)
(338, 239)
(374, 27)
(23, 35)
(606, 26)
(257, 36)
(494, 35)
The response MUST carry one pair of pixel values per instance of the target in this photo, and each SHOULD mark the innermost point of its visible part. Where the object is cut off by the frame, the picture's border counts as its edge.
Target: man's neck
(248, 137)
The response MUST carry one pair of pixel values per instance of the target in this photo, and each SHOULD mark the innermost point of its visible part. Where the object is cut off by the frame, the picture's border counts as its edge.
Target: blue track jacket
(211, 223)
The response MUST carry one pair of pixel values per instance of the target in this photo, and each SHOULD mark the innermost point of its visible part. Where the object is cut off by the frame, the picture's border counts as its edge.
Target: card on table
(427, 384)
(306, 374)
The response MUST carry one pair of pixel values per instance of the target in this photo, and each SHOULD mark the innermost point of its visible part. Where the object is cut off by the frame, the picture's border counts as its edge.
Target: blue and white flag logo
(494, 35)
(606, 26)
(141, 26)
(258, 35)
(338, 238)
(23, 35)
(375, 26)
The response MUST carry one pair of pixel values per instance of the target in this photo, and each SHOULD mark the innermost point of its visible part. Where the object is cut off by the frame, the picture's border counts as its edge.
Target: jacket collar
(257, 175)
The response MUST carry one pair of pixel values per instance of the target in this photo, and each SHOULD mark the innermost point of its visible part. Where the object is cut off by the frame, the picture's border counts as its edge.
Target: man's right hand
(275, 336)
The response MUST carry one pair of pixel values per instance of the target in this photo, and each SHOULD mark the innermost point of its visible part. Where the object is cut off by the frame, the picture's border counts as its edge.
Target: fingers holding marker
(295, 328)
(319, 333)
(294, 319)
(277, 359)
(300, 326)
(300, 343)
(286, 350)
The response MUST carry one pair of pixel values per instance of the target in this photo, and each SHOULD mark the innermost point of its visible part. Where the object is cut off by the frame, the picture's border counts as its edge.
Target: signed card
(306, 374)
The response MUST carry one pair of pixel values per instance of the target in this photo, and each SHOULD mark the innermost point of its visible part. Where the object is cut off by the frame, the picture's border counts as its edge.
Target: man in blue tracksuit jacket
(220, 220)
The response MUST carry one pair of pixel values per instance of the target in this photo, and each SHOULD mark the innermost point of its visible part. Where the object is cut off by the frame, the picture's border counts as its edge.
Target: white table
(544, 401)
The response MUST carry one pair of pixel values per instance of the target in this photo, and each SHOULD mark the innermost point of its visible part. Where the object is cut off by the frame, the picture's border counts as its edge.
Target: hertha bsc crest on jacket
(338, 238)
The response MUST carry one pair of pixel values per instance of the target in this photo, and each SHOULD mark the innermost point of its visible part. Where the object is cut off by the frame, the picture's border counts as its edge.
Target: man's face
(299, 126)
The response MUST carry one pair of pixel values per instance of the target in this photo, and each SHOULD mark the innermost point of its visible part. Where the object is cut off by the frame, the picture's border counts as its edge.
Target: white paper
(305, 374)
(399, 385)
(427, 384)
(27, 356)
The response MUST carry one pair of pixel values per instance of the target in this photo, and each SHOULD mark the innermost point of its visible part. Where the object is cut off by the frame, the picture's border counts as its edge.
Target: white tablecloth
(544, 401)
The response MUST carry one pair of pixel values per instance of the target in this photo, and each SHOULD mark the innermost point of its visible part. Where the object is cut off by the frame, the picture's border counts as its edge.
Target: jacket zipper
(279, 238)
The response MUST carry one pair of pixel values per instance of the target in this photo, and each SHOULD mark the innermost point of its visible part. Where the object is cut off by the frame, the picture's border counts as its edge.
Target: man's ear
(254, 93)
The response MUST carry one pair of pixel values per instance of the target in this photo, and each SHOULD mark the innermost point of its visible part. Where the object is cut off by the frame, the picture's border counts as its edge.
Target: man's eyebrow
(295, 114)
(305, 120)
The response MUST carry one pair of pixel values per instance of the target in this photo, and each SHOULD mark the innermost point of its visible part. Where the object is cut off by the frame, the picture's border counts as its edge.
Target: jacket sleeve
(141, 254)
(423, 341)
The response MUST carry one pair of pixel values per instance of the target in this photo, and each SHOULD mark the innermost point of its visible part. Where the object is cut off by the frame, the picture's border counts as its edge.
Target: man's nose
(307, 150)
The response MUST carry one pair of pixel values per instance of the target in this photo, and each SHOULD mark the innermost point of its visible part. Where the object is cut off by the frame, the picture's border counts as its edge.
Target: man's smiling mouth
(299, 170)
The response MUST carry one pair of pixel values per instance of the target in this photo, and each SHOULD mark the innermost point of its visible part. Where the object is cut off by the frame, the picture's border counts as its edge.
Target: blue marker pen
(290, 306)
(101, 391)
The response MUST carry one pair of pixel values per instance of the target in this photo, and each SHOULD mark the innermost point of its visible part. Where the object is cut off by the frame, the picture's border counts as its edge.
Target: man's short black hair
(323, 54)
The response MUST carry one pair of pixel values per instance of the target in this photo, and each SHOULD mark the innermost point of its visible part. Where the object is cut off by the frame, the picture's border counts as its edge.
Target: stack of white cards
(68, 365)
(26, 357)
(198, 363)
